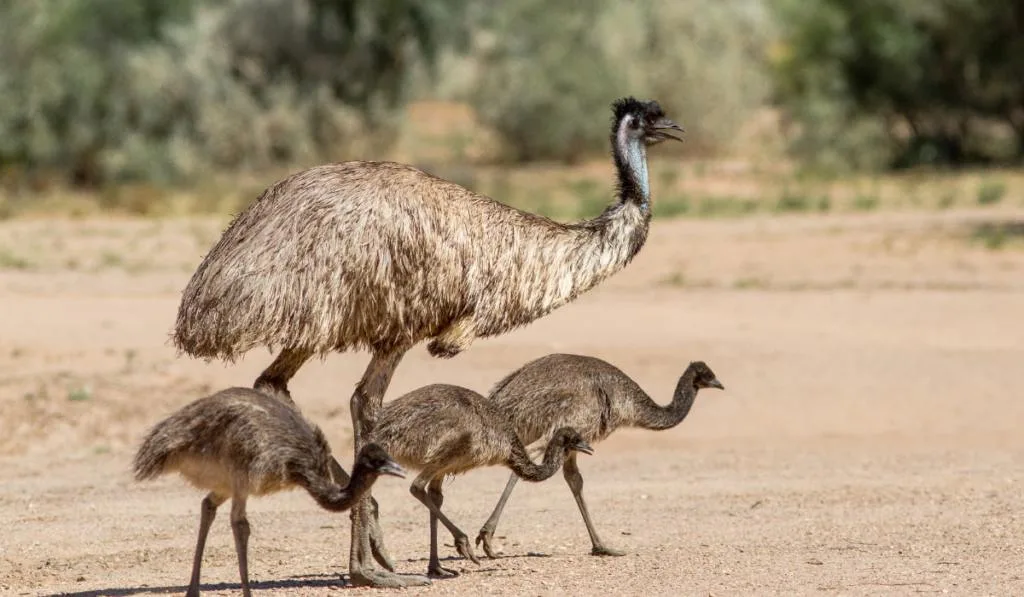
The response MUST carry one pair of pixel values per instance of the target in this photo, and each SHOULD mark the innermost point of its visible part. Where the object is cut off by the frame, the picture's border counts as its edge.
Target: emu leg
(487, 531)
(420, 492)
(274, 381)
(572, 475)
(376, 534)
(240, 528)
(434, 568)
(366, 403)
(208, 511)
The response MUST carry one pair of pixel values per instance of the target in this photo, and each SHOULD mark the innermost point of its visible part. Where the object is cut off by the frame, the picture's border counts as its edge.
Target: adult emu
(381, 256)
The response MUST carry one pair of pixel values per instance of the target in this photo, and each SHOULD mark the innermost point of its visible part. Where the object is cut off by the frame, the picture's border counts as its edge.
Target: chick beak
(392, 468)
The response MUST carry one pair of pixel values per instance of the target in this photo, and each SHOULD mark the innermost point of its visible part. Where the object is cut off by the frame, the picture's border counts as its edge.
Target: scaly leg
(208, 511)
(240, 528)
(365, 404)
(487, 531)
(419, 491)
(434, 568)
(376, 535)
(575, 481)
(274, 381)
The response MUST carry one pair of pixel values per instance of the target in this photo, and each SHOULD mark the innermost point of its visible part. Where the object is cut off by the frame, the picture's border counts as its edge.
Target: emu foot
(601, 550)
(383, 579)
(436, 570)
(464, 548)
(484, 537)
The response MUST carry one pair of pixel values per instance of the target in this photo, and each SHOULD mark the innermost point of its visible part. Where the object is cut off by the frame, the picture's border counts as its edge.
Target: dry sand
(869, 441)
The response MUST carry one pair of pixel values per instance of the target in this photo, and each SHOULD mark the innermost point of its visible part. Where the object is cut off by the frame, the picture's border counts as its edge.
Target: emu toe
(483, 539)
(439, 571)
(465, 549)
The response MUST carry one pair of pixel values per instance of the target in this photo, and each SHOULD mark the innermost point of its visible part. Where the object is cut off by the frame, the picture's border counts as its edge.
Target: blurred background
(184, 106)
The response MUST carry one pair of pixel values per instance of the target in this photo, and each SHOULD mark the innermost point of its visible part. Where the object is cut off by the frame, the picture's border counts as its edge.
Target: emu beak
(392, 468)
(582, 446)
(714, 383)
(665, 129)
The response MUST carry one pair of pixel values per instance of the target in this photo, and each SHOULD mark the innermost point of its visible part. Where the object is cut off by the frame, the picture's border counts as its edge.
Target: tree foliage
(884, 82)
(549, 70)
(104, 90)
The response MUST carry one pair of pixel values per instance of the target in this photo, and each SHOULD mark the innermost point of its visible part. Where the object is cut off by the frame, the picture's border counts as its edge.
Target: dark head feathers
(649, 110)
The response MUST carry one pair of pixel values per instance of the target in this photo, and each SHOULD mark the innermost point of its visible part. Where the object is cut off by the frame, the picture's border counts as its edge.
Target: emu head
(374, 458)
(704, 377)
(570, 439)
(644, 120)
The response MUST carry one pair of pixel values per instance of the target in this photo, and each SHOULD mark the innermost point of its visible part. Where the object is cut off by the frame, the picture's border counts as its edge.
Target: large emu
(442, 430)
(592, 396)
(381, 256)
(239, 443)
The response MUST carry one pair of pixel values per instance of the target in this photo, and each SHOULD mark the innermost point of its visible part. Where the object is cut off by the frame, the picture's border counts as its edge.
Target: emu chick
(241, 442)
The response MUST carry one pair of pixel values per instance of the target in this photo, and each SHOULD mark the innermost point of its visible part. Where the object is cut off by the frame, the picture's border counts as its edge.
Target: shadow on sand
(297, 582)
(334, 581)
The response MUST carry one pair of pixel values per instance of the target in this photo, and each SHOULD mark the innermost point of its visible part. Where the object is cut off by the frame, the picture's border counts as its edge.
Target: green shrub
(549, 70)
(702, 59)
(164, 90)
(886, 83)
(546, 81)
(991, 192)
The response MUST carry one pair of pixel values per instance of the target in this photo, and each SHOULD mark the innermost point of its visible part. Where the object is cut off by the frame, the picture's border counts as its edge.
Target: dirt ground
(869, 441)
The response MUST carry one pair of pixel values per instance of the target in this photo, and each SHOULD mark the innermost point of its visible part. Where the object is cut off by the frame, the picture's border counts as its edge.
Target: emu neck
(631, 162)
(527, 470)
(656, 417)
(336, 498)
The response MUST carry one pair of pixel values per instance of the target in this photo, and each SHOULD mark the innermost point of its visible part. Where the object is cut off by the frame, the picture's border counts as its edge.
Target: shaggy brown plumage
(592, 396)
(381, 256)
(442, 430)
(239, 443)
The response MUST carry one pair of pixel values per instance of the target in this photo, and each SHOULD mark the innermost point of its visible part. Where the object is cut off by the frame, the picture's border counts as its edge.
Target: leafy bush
(107, 90)
(549, 70)
(702, 59)
(545, 80)
(889, 83)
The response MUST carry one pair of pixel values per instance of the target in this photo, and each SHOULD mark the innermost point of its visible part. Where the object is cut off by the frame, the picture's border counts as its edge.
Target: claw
(606, 551)
(484, 537)
(465, 549)
(441, 572)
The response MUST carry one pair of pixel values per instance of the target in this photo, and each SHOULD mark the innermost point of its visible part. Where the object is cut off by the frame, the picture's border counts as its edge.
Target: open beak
(392, 468)
(584, 447)
(714, 383)
(668, 129)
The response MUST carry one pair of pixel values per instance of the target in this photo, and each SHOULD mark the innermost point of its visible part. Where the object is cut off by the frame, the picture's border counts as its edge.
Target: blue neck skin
(635, 153)
(636, 157)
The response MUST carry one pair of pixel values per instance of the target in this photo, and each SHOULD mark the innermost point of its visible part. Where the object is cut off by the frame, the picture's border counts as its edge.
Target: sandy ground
(869, 441)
